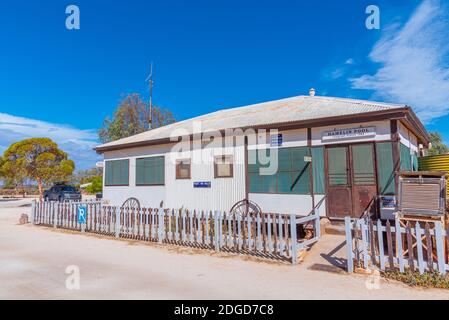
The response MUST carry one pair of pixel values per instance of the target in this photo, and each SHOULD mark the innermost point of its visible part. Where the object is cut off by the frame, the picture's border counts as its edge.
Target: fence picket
(380, 240)
(440, 247)
(349, 252)
(364, 231)
(270, 244)
(259, 233)
(275, 249)
(419, 248)
(281, 238)
(372, 242)
(429, 248)
(399, 253)
(411, 262)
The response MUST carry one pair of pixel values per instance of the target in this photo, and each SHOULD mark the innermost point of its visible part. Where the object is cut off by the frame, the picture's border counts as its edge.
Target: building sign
(202, 184)
(388, 202)
(82, 214)
(276, 140)
(342, 134)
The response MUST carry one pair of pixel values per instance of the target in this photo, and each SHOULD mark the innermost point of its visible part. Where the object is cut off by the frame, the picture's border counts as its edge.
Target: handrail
(317, 206)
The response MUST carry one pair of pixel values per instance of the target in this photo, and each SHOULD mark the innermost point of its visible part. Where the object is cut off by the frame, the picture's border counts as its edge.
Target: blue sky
(210, 55)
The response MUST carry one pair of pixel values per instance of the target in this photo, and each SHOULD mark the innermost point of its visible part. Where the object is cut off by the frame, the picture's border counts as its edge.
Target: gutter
(399, 114)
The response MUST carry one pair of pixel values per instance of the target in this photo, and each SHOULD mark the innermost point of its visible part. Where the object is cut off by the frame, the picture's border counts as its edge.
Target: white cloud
(413, 62)
(349, 61)
(77, 143)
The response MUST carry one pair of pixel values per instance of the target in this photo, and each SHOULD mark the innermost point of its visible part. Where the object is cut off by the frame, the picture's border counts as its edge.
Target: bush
(414, 279)
(96, 186)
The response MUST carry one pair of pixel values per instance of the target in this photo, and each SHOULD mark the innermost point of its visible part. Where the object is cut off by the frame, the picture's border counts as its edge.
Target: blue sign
(82, 214)
(203, 184)
(276, 140)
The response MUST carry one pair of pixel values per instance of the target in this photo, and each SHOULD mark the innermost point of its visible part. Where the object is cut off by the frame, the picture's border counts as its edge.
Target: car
(62, 192)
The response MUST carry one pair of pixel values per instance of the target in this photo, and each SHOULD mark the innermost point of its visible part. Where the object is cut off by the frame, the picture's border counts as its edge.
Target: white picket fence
(263, 234)
(414, 246)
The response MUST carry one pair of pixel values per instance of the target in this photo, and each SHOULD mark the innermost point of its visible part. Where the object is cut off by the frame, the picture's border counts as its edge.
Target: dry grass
(414, 279)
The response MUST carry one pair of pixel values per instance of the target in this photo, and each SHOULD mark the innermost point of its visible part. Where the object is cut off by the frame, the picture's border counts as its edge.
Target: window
(406, 158)
(223, 167)
(183, 168)
(318, 170)
(292, 177)
(117, 173)
(150, 171)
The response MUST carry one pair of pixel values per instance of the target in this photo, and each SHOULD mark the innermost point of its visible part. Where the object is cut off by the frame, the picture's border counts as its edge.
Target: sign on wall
(276, 140)
(353, 133)
(202, 184)
(82, 214)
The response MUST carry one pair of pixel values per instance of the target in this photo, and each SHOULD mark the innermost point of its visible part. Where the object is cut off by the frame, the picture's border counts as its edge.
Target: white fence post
(160, 225)
(216, 231)
(440, 247)
(350, 259)
(399, 245)
(317, 224)
(294, 239)
(33, 211)
(380, 239)
(117, 222)
(55, 210)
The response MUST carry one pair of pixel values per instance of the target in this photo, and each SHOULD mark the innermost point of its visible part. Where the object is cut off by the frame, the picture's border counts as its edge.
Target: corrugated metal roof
(293, 109)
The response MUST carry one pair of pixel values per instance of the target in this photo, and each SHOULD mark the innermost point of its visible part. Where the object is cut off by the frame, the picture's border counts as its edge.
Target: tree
(132, 117)
(438, 146)
(36, 159)
(96, 186)
(85, 176)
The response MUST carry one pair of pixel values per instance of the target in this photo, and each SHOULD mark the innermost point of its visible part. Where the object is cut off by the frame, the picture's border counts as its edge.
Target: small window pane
(338, 166)
(363, 163)
(183, 169)
(150, 171)
(223, 167)
(117, 173)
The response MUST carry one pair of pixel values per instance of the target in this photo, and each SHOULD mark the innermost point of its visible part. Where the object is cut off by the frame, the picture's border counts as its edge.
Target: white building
(341, 149)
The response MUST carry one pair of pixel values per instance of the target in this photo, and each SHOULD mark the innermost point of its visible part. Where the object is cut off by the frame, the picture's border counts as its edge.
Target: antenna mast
(150, 79)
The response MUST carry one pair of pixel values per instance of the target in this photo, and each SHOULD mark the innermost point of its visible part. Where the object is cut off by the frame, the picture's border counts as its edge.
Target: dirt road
(34, 260)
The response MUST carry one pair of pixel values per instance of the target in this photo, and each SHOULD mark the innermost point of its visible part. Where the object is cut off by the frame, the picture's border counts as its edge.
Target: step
(335, 229)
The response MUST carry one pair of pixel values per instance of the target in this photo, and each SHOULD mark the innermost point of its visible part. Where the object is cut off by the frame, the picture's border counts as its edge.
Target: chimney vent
(312, 92)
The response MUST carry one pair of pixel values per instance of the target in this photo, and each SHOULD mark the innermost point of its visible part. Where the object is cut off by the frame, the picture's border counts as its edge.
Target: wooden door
(339, 189)
(364, 185)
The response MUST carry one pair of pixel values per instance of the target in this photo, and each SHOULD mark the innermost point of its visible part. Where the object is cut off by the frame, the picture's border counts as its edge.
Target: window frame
(290, 171)
(105, 172)
(231, 174)
(178, 171)
(150, 184)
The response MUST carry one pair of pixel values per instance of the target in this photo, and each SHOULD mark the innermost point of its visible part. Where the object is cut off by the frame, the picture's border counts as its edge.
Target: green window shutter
(108, 173)
(140, 171)
(150, 171)
(406, 159)
(338, 166)
(415, 164)
(292, 177)
(385, 168)
(318, 170)
(117, 172)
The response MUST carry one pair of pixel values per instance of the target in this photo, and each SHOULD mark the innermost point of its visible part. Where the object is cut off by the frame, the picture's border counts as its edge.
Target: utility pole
(150, 80)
